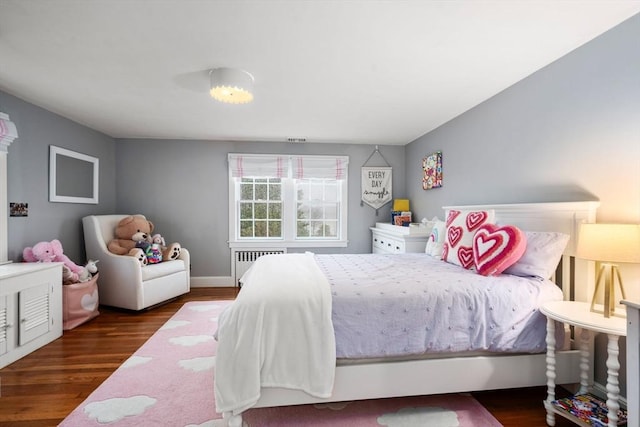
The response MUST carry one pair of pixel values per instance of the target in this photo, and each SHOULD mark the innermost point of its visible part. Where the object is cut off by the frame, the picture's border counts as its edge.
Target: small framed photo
(432, 171)
(18, 209)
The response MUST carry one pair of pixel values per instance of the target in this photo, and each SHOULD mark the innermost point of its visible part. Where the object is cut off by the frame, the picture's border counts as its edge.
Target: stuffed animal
(49, 252)
(135, 229)
(68, 276)
(88, 271)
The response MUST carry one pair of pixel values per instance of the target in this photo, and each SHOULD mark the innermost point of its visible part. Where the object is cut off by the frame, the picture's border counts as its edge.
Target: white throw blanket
(278, 333)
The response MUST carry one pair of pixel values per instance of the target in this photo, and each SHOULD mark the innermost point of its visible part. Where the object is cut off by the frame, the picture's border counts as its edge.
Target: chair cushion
(153, 271)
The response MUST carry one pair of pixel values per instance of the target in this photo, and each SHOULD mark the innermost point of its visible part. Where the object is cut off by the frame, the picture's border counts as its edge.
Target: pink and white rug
(169, 382)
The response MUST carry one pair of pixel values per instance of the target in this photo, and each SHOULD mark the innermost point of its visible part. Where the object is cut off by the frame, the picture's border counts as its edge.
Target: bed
(265, 361)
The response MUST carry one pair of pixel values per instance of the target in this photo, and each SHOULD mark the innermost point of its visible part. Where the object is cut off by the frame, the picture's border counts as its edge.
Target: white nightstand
(578, 314)
(633, 362)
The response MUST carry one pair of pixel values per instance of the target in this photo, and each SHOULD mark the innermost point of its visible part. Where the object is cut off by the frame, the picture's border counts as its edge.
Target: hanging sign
(376, 186)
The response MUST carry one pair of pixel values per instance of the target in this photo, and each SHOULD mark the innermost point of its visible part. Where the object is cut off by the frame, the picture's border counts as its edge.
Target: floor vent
(244, 259)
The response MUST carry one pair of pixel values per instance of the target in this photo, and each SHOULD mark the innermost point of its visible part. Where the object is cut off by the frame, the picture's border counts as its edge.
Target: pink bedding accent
(497, 248)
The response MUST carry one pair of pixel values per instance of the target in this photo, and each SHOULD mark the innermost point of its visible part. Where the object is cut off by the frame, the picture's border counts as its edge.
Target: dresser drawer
(396, 241)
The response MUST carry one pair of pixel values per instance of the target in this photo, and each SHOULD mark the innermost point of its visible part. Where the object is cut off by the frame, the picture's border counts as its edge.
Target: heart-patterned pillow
(497, 248)
(461, 227)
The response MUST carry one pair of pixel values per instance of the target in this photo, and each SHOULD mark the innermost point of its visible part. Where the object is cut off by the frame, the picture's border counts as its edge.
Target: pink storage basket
(79, 303)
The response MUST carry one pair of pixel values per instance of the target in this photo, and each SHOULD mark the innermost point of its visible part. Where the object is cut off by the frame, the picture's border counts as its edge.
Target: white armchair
(123, 282)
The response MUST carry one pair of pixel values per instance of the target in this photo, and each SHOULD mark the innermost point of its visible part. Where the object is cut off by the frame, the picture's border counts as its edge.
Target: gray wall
(571, 131)
(182, 187)
(28, 178)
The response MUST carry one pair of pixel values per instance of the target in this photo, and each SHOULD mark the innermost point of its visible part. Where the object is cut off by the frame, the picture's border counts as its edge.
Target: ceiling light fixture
(231, 85)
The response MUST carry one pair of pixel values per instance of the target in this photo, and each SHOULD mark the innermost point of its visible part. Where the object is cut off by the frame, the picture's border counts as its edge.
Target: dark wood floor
(42, 388)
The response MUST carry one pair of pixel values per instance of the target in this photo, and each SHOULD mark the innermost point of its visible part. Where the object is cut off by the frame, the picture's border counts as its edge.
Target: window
(291, 201)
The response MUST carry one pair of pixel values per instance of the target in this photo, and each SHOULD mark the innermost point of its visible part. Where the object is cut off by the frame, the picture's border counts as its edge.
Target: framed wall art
(432, 171)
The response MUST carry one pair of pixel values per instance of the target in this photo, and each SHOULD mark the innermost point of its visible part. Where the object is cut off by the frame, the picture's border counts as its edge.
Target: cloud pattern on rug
(150, 387)
(420, 417)
(191, 340)
(134, 361)
(110, 410)
(198, 364)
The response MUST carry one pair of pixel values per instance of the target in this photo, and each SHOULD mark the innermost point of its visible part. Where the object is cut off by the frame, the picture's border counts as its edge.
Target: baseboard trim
(212, 282)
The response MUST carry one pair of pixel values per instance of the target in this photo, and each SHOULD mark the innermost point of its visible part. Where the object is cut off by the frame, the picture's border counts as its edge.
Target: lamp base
(608, 273)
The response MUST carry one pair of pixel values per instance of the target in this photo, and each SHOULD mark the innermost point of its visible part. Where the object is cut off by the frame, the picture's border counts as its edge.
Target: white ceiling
(374, 72)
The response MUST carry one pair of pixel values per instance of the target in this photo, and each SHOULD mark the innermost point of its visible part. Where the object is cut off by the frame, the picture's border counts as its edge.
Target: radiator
(242, 260)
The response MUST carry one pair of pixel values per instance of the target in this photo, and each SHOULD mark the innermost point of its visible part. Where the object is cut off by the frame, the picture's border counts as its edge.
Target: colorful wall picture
(432, 168)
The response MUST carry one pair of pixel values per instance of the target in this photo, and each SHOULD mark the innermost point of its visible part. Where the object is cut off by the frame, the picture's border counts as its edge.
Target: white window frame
(289, 219)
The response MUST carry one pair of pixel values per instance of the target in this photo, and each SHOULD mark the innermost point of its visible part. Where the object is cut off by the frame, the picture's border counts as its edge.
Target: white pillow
(543, 253)
(436, 239)
(461, 226)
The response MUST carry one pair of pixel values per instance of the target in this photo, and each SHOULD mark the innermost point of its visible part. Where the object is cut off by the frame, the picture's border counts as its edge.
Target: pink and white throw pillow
(497, 248)
(461, 226)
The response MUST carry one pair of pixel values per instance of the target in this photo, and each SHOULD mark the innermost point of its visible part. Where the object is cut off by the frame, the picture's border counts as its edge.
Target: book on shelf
(589, 409)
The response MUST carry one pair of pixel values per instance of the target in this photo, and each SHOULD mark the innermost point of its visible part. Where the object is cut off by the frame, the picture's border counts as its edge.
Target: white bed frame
(471, 373)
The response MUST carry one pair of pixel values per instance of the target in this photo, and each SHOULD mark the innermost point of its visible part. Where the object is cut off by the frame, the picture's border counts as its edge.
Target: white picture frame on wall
(73, 176)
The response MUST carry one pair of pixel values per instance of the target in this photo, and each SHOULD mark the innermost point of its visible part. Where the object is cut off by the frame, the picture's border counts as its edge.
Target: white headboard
(564, 217)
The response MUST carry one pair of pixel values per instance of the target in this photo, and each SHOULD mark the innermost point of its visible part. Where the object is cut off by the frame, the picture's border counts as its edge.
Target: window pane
(331, 229)
(331, 191)
(261, 229)
(246, 210)
(316, 212)
(316, 229)
(302, 211)
(261, 191)
(246, 191)
(302, 190)
(302, 229)
(275, 229)
(260, 211)
(275, 192)
(331, 211)
(246, 228)
(275, 211)
(316, 191)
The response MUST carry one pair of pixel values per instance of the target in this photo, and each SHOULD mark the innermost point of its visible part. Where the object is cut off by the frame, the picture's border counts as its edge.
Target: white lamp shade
(609, 242)
(231, 85)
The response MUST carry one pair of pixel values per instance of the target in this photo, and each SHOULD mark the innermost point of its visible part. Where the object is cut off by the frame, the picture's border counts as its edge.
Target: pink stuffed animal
(49, 252)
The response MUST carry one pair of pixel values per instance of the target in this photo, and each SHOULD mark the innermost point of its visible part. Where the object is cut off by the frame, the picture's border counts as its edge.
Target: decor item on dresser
(384, 352)
(432, 171)
(401, 213)
(376, 182)
(124, 282)
(609, 244)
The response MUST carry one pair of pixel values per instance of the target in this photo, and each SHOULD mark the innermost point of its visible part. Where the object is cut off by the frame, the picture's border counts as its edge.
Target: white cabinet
(394, 239)
(30, 308)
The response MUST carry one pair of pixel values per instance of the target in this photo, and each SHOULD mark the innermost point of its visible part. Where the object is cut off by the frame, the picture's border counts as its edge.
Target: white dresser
(30, 308)
(394, 239)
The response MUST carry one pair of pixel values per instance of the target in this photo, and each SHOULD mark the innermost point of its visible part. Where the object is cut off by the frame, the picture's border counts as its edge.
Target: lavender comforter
(407, 304)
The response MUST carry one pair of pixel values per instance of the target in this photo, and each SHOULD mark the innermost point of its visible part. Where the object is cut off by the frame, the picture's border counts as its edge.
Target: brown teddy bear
(133, 229)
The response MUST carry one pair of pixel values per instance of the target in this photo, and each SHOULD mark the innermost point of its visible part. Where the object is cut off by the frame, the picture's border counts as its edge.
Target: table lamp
(609, 244)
